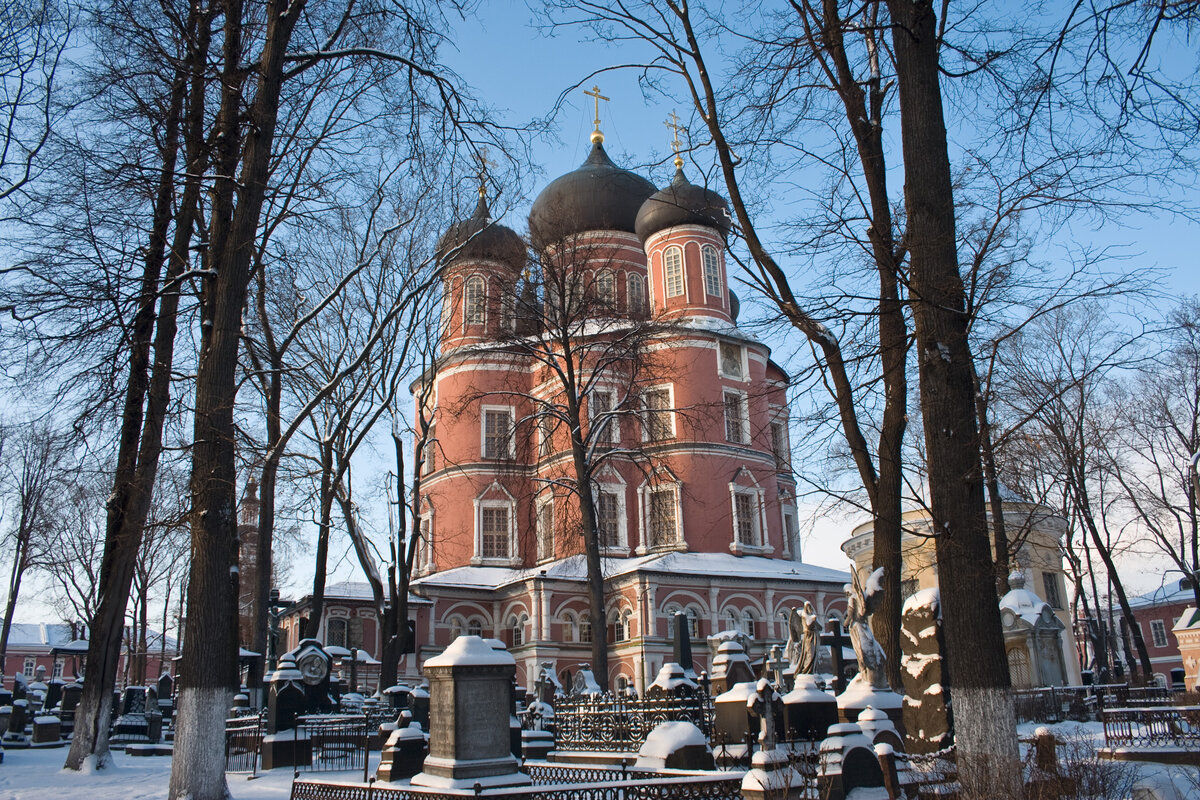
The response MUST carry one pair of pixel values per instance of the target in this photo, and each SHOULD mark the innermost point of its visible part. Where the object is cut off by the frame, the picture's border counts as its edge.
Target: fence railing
(1058, 703)
(715, 786)
(339, 742)
(1159, 726)
(615, 723)
(243, 740)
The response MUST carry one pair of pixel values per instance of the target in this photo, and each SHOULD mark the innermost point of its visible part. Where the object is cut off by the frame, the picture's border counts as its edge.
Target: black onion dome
(599, 196)
(683, 203)
(478, 237)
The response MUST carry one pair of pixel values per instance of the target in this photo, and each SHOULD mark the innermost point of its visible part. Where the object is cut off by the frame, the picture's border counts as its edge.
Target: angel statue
(860, 604)
(804, 632)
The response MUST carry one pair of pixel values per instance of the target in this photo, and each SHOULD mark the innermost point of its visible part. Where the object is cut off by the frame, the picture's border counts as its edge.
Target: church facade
(606, 346)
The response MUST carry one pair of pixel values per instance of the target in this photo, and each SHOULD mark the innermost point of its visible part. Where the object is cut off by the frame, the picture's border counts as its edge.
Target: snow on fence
(243, 739)
(615, 723)
(1159, 726)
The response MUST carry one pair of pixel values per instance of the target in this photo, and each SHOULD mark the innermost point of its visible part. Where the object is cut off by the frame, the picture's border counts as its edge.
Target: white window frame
(606, 288)
(425, 544)
(617, 492)
(743, 364)
(475, 311)
(610, 434)
(647, 493)
(545, 436)
(669, 389)
(1158, 633)
(781, 445)
(28, 668)
(674, 279)
(483, 432)
(791, 538)
(516, 626)
(712, 271)
(510, 505)
(543, 506)
(635, 293)
(757, 543)
(742, 420)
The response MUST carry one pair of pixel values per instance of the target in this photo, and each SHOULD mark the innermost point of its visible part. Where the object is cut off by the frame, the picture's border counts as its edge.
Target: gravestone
(315, 667)
(139, 717)
(15, 736)
(926, 717)
(418, 706)
(733, 722)
(682, 649)
(585, 682)
(37, 690)
(54, 692)
(847, 762)
(396, 697)
(771, 776)
(6, 696)
(809, 710)
(166, 696)
(47, 731)
(470, 708)
(672, 681)
(285, 745)
(675, 745)
(72, 692)
(403, 754)
(730, 666)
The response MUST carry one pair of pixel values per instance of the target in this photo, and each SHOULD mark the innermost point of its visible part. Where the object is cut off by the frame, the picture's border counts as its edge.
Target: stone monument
(870, 686)
(470, 706)
(926, 716)
(771, 776)
(284, 745)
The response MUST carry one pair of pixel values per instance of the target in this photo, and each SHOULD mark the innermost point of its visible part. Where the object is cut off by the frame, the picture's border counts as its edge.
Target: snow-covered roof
(38, 634)
(574, 568)
(1189, 619)
(1022, 602)
(1163, 595)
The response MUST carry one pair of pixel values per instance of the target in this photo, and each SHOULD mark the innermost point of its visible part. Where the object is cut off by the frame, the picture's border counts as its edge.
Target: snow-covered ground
(37, 774)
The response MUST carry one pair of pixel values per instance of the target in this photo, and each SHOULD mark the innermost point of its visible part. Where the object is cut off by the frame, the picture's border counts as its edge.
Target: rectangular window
(663, 530)
(1050, 584)
(58, 668)
(791, 532)
(745, 519)
(780, 447)
(600, 405)
(712, 272)
(608, 527)
(423, 546)
(731, 361)
(657, 403)
(497, 433)
(30, 666)
(545, 531)
(429, 457)
(673, 271)
(736, 429)
(1158, 632)
(494, 533)
(545, 436)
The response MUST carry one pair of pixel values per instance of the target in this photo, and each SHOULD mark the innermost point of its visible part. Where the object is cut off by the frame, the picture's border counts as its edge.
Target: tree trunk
(137, 467)
(209, 666)
(14, 588)
(1000, 545)
(321, 565)
(985, 733)
(591, 543)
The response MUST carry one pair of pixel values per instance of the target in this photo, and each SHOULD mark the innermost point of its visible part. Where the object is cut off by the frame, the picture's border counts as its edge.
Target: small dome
(599, 196)
(683, 203)
(478, 237)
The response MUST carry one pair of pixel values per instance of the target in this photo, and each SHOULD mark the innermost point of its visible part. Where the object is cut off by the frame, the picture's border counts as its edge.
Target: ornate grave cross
(763, 703)
(777, 664)
(836, 639)
(594, 93)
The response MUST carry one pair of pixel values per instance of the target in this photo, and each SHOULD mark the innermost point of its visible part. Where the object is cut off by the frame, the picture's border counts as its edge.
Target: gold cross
(594, 93)
(484, 163)
(672, 122)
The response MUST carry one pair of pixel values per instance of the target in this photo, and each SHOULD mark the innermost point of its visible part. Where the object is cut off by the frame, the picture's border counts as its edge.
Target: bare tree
(31, 478)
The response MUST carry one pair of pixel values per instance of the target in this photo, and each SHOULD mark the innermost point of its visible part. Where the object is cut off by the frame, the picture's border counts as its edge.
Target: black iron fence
(713, 786)
(615, 723)
(339, 742)
(1059, 703)
(1161, 726)
(243, 740)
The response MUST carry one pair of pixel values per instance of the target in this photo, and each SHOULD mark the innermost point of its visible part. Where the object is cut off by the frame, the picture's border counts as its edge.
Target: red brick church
(695, 502)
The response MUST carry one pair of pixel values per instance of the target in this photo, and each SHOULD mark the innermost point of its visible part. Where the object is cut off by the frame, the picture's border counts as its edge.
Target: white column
(713, 609)
(770, 610)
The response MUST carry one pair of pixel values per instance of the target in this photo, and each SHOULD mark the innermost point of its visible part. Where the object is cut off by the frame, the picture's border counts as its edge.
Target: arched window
(508, 308)
(749, 624)
(473, 301)
(456, 627)
(474, 628)
(569, 630)
(585, 629)
(606, 289)
(673, 271)
(636, 290)
(712, 271)
(618, 625)
(517, 627)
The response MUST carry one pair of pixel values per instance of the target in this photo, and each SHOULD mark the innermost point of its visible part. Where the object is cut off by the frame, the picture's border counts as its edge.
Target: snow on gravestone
(675, 745)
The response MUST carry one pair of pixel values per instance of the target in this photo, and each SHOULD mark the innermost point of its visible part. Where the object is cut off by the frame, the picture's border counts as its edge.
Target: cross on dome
(672, 122)
(484, 163)
(594, 93)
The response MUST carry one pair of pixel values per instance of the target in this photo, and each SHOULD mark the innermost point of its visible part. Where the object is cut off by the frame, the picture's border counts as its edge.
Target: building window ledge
(739, 549)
